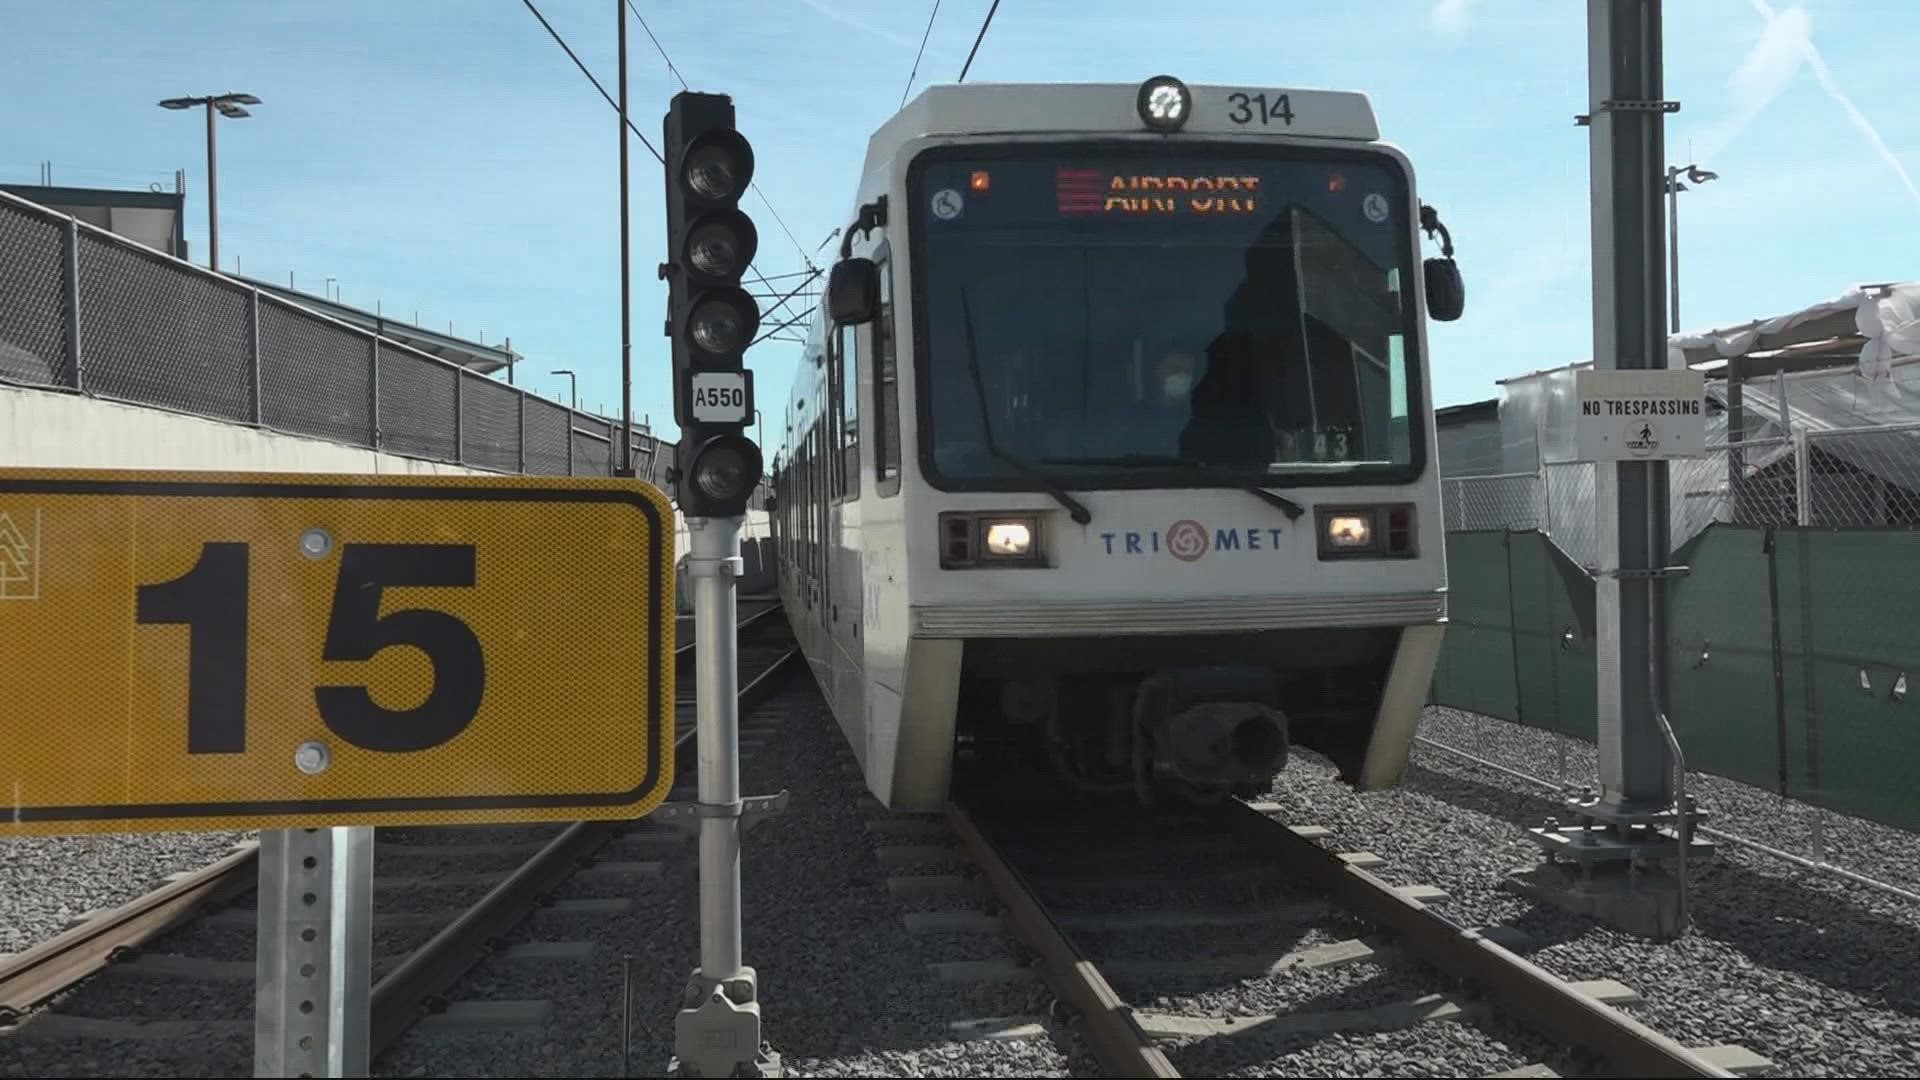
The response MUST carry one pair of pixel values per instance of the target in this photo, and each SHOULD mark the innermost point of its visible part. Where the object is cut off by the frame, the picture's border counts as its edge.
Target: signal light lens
(719, 166)
(721, 245)
(726, 468)
(723, 322)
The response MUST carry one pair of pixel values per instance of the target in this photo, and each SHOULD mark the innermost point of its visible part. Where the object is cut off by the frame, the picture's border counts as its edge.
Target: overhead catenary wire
(984, 23)
(755, 185)
(928, 32)
(555, 34)
(611, 104)
(782, 222)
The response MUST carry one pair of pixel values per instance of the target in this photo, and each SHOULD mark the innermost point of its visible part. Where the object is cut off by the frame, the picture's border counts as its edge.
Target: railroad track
(1227, 938)
(444, 898)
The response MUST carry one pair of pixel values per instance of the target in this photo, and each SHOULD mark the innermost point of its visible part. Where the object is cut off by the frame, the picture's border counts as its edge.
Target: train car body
(1112, 444)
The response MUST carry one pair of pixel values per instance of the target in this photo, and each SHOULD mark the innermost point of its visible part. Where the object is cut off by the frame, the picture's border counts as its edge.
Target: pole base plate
(717, 1031)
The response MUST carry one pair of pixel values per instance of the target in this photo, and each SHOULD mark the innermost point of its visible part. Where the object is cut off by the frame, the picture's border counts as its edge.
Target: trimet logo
(1189, 541)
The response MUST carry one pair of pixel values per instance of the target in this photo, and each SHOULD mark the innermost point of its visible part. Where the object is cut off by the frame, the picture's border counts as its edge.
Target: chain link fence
(85, 310)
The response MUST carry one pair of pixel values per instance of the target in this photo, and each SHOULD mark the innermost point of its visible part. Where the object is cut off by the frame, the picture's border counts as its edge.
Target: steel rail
(1112, 1033)
(33, 976)
(416, 988)
(1524, 990)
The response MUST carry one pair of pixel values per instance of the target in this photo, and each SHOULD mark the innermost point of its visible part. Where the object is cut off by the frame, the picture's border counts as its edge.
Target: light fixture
(719, 166)
(1350, 531)
(723, 321)
(1009, 539)
(1164, 103)
(725, 467)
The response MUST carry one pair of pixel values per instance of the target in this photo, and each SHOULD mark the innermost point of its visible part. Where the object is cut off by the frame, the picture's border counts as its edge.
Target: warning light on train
(1163, 103)
(981, 179)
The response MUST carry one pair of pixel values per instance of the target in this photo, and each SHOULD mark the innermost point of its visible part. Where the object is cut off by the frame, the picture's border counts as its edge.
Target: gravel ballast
(46, 883)
(1810, 971)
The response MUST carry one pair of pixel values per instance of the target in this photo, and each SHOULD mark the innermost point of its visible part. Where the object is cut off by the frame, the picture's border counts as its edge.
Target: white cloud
(1450, 16)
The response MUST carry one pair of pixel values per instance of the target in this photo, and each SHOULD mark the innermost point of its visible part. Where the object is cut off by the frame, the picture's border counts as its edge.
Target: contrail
(1815, 61)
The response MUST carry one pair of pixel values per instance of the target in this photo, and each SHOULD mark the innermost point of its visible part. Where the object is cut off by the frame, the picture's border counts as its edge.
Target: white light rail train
(1112, 451)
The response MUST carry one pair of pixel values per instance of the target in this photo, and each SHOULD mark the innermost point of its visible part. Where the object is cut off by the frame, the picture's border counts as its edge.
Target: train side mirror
(1446, 292)
(853, 292)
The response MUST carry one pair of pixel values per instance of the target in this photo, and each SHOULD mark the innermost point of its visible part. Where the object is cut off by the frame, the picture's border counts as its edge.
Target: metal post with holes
(1622, 840)
(314, 963)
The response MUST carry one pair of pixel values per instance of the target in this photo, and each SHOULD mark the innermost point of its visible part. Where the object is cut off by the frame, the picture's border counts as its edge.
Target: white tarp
(1887, 316)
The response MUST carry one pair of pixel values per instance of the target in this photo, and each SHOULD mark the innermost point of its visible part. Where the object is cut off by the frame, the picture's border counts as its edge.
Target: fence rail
(88, 311)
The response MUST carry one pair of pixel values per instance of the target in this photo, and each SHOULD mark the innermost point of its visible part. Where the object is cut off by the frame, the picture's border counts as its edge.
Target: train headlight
(1376, 532)
(1009, 539)
(1164, 103)
(989, 540)
(1345, 531)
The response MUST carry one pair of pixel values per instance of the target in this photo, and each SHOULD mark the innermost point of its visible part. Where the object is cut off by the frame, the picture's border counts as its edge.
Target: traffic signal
(711, 319)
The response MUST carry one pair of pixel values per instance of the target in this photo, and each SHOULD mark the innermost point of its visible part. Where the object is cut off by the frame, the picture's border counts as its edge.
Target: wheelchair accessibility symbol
(946, 204)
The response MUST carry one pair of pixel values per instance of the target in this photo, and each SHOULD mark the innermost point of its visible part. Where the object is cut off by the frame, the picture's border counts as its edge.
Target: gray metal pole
(313, 968)
(714, 544)
(1673, 248)
(1628, 160)
(624, 463)
(717, 1032)
(213, 198)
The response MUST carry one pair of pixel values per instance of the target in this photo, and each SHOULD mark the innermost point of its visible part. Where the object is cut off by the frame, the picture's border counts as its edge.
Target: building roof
(472, 355)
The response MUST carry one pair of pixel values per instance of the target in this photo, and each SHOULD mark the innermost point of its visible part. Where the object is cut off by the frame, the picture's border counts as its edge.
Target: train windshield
(1154, 318)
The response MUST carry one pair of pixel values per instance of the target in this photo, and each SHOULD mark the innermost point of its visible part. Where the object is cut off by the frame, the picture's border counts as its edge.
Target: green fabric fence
(1789, 659)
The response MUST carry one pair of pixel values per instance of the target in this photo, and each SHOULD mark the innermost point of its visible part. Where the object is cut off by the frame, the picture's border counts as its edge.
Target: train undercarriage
(1174, 721)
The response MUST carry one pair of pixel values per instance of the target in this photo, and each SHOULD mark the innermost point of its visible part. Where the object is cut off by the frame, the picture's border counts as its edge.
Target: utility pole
(1624, 838)
(625, 460)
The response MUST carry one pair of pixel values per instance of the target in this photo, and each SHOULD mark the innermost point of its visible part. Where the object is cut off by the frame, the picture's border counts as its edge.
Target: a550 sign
(229, 651)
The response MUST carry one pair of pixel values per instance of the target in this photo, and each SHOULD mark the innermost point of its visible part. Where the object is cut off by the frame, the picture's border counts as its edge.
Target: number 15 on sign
(235, 651)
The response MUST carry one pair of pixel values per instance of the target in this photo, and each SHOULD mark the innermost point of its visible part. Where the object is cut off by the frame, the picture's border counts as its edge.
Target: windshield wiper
(1292, 509)
(1075, 509)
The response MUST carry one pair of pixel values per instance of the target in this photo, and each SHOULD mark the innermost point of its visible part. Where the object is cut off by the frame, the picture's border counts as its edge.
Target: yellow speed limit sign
(211, 651)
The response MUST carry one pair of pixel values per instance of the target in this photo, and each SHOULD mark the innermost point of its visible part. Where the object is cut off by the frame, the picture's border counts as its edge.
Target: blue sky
(445, 156)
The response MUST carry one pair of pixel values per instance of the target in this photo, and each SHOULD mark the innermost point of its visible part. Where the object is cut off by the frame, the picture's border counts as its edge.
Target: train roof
(1092, 108)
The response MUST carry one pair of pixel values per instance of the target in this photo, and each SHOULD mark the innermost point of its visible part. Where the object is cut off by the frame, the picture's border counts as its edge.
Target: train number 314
(1260, 109)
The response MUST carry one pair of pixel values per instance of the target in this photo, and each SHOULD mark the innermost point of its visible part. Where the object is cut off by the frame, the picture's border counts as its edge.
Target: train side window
(831, 422)
(849, 427)
(886, 389)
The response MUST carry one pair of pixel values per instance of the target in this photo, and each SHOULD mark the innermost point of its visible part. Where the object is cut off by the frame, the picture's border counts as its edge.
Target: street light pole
(229, 105)
(1674, 187)
(573, 388)
(213, 197)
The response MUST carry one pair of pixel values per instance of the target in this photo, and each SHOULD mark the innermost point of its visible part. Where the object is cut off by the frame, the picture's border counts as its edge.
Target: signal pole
(711, 321)
(624, 461)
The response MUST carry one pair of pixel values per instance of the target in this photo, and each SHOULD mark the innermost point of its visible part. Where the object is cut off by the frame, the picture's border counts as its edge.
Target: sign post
(1635, 415)
(315, 655)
